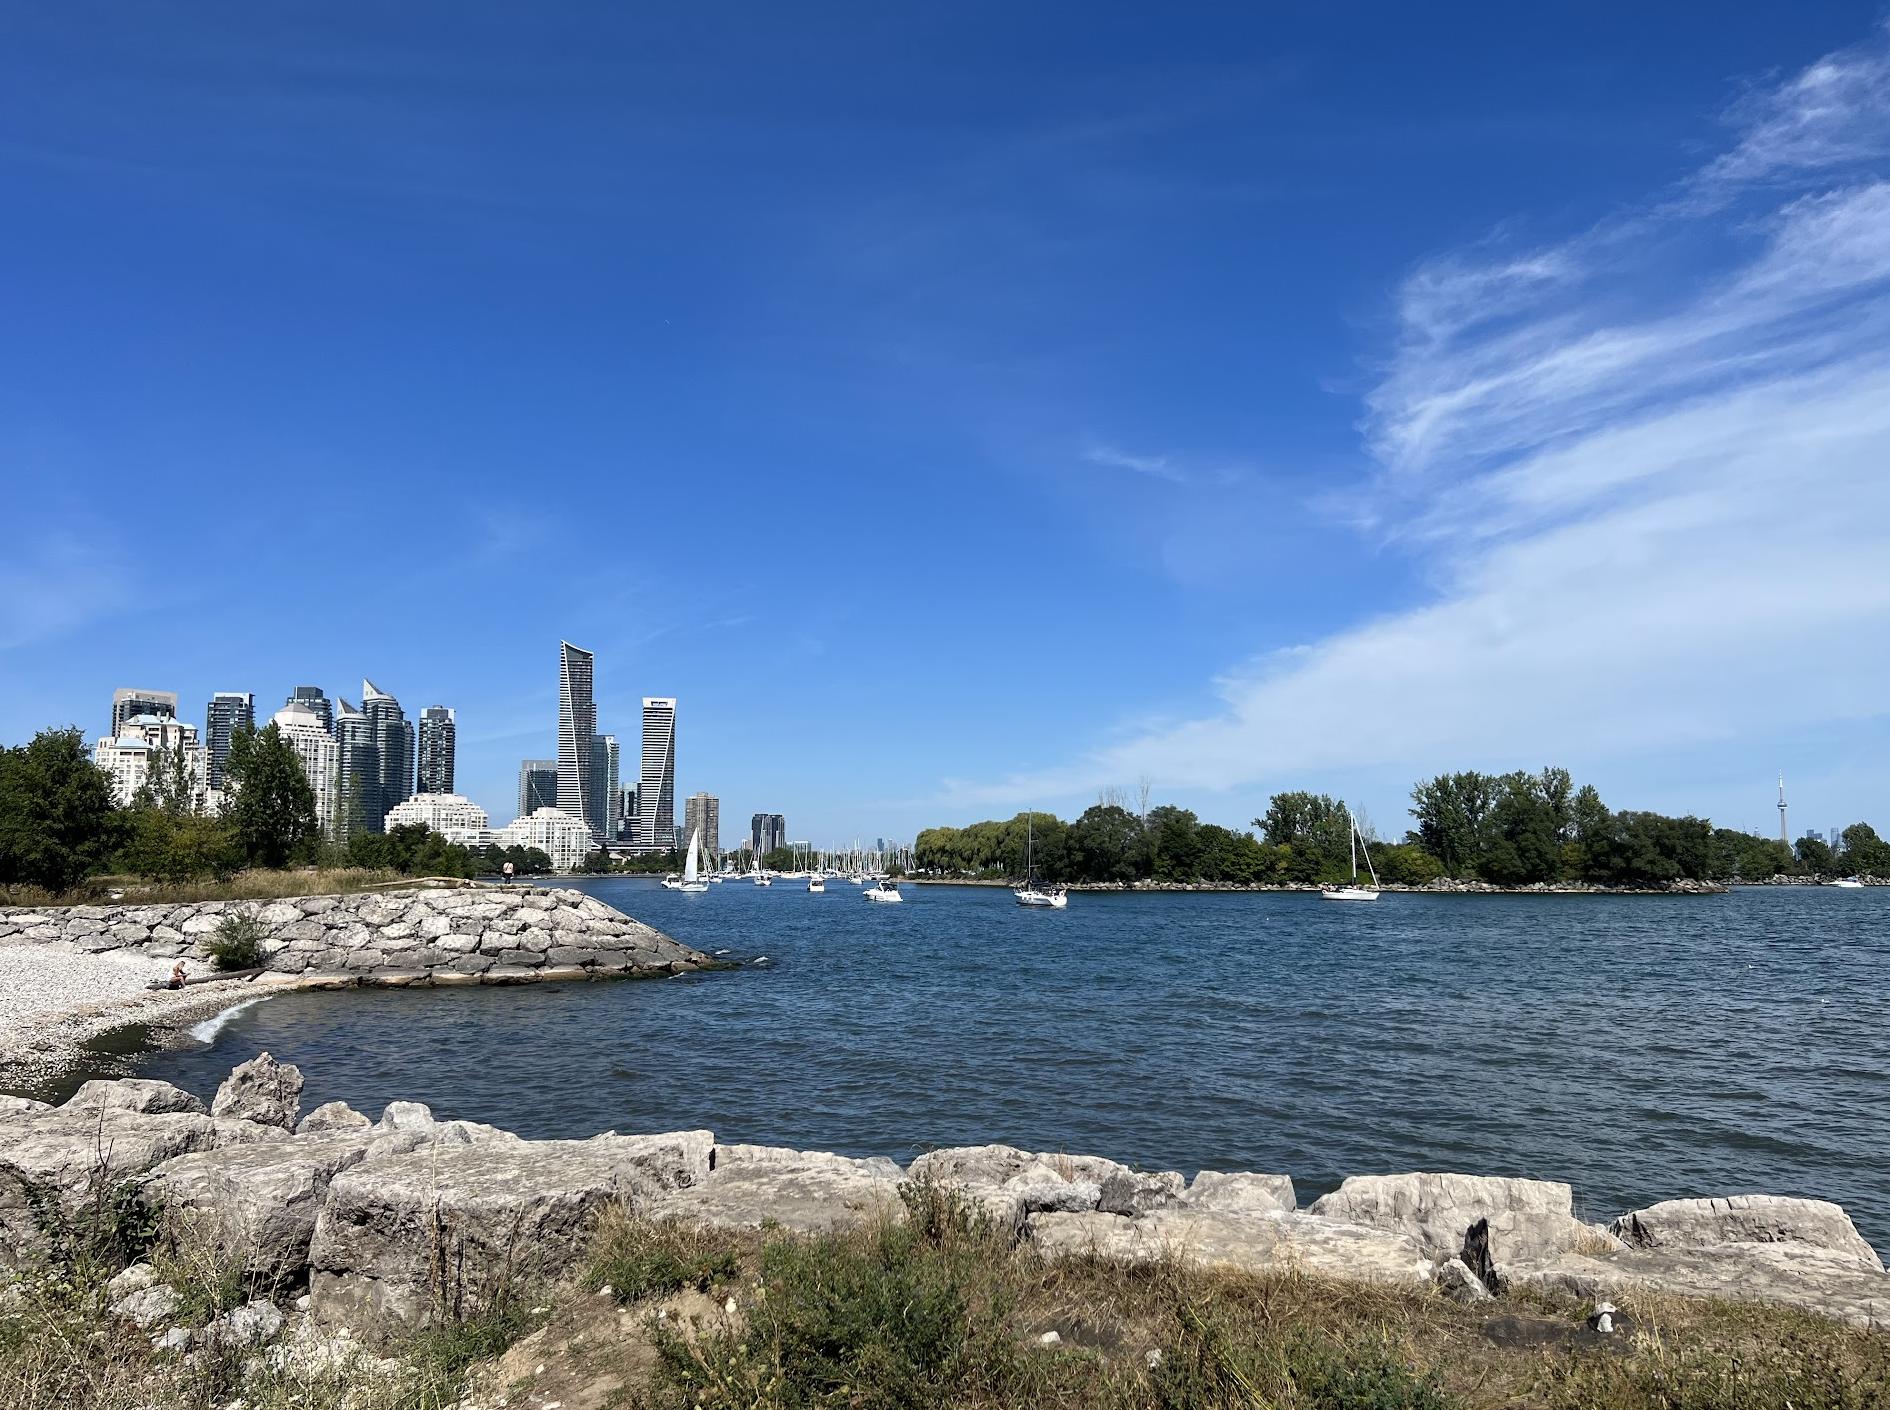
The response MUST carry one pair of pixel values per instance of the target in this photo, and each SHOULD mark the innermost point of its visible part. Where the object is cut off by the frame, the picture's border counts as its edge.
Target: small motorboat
(817, 882)
(883, 891)
(1849, 883)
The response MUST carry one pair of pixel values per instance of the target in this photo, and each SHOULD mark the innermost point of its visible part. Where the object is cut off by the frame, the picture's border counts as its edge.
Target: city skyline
(1323, 410)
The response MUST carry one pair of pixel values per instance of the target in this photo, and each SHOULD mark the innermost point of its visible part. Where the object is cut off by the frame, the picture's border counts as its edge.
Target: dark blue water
(1639, 1047)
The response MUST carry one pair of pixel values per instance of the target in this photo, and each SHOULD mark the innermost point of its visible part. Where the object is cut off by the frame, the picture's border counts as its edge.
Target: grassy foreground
(937, 1311)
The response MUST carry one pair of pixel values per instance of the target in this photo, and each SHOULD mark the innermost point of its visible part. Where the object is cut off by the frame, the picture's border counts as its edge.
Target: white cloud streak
(1158, 467)
(1646, 498)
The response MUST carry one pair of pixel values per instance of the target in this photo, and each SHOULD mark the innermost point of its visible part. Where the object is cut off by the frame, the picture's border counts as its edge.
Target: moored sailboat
(1053, 898)
(1355, 892)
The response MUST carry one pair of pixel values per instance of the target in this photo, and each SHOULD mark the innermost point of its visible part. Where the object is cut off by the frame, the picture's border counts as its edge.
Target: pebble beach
(55, 997)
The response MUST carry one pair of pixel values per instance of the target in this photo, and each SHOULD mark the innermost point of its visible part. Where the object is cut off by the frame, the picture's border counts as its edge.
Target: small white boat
(692, 882)
(1849, 883)
(762, 879)
(1030, 894)
(1355, 892)
(883, 891)
(816, 882)
(672, 882)
(1054, 899)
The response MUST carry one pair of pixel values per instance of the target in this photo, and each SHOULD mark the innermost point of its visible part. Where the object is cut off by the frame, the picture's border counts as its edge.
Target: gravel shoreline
(54, 998)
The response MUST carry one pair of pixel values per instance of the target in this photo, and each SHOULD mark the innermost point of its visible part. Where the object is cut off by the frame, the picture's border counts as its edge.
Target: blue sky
(970, 411)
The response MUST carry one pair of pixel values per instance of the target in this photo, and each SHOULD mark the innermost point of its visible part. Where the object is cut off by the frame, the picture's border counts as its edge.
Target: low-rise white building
(302, 729)
(560, 836)
(439, 812)
(144, 739)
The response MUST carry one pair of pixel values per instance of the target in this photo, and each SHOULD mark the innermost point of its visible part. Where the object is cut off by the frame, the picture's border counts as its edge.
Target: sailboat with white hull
(1053, 898)
(692, 882)
(1355, 892)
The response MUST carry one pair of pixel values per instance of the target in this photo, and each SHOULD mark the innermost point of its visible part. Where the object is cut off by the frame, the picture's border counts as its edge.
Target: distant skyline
(1239, 401)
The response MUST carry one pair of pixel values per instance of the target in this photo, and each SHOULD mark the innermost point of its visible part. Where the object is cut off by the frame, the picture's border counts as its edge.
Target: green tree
(1174, 843)
(1452, 811)
(177, 847)
(273, 807)
(1523, 842)
(58, 823)
(1865, 853)
(1107, 844)
(1815, 857)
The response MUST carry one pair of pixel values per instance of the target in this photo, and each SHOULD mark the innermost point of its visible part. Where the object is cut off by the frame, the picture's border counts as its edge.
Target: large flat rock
(1251, 1243)
(1831, 1284)
(63, 1162)
(257, 1204)
(442, 1230)
(1745, 1219)
(807, 1191)
(1528, 1218)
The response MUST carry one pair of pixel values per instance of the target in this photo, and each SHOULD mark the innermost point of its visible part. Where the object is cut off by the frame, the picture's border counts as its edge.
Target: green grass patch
(636, 1259)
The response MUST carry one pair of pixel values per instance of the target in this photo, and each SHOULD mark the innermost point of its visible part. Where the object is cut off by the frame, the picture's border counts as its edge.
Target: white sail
(690, 869)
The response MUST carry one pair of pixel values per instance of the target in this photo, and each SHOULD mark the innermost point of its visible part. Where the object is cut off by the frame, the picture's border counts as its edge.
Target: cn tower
(1783, 834)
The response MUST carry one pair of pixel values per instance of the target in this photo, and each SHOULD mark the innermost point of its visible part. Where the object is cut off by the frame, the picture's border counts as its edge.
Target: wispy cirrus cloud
(1158, 467)
(1647, 468)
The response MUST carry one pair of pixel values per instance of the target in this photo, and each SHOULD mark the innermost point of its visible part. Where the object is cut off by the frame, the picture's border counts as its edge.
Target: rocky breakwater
(370, 1228)
(482, 934)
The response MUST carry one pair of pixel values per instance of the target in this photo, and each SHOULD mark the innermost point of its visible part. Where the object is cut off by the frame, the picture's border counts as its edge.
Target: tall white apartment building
(304, 731)
(144, 740)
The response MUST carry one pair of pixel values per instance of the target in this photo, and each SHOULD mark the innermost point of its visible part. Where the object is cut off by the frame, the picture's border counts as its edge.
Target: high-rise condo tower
(228, 711)
(437, 733)
(656, 794)
(577, 732)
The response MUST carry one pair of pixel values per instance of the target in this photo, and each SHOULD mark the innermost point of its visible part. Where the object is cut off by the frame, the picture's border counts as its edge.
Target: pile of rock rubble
(368, 1228)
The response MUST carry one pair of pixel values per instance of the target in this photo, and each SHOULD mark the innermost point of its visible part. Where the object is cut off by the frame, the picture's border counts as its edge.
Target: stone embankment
(482, 934)
(375, 1227)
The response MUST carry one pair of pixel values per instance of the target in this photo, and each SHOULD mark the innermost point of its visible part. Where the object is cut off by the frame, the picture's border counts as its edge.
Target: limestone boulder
(807, 1191)
(21, 1106)
(67, 1160)
(1527, 1218)
(330, 1118)
(1745, 1219)
(1253, 1243)
(149, 1307)
(1009, 1184)
(261, 1090)
(132, 1094)
(256, 1204)
(1240, 1192)
(1825, 1281)
(401, 1240)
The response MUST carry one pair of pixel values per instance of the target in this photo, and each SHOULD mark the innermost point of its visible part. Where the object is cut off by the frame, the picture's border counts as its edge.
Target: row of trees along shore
(59, 824)
(1515, 829)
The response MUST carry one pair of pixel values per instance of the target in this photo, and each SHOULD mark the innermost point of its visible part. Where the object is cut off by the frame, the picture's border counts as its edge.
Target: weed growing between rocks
(636, 1259)
(240, 941)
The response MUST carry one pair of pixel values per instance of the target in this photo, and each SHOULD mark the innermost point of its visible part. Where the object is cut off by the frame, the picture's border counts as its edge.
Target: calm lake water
(1638, 1047)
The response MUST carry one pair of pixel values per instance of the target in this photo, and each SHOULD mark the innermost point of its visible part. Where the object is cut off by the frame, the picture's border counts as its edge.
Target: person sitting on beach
(178, 975)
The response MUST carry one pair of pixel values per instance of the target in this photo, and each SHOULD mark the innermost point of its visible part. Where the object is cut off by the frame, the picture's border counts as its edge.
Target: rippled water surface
(1639, 1047)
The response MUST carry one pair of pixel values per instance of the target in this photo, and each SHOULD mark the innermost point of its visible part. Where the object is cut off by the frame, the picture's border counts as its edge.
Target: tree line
(1514, 829)
(59, 822)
